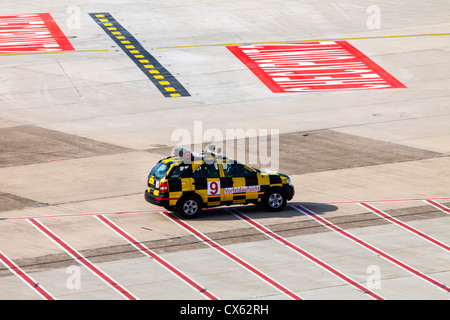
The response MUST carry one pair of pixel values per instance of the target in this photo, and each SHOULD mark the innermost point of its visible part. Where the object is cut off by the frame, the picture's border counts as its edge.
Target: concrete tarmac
(80, 129)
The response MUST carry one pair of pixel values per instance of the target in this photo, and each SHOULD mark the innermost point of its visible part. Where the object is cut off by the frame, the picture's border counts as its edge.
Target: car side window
(207, 171)
(181, 171)
(236, 170)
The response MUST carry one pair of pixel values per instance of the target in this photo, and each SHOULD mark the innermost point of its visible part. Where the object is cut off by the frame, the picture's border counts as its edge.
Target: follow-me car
(189, 181)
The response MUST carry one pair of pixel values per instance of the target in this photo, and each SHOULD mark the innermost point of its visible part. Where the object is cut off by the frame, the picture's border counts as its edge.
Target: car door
(207, 183)
(245, 186)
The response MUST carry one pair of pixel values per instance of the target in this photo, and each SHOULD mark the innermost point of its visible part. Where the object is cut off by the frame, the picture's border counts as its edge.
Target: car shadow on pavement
(258, 212)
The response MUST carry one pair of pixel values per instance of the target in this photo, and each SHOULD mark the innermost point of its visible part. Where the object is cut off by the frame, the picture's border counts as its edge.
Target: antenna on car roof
(180, 152)
(211, 150)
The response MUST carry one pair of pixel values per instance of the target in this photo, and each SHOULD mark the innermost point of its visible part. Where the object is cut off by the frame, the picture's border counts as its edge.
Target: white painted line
(370, 247)
(438, 205)
(14, 268)
(79, 257)
(166, 265)
(202, 237)
(304, 253)
(405, 226)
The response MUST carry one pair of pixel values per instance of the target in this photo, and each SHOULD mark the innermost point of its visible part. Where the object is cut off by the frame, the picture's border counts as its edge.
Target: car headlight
(288, 180)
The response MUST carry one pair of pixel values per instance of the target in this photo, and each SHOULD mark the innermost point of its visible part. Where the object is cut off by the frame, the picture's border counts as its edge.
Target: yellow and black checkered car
(187, 182)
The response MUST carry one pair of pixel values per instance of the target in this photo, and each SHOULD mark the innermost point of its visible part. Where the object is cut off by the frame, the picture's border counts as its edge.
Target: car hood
(272, 172)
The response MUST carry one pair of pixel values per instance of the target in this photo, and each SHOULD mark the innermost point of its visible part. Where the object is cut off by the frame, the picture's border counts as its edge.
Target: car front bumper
(290, 191)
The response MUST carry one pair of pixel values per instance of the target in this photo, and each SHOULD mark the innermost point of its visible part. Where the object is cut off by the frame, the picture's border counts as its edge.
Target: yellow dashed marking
(144, 60)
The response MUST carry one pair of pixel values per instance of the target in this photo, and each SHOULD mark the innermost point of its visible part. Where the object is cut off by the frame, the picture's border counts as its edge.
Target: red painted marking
(314, 66)
(138, 245)
(304, 253)
(231, 256)
(366, 245)
(387, 200)
(154, 211)
(405, 226)
(77, 256)
(438, 205)
(14, 268)
(34, 32)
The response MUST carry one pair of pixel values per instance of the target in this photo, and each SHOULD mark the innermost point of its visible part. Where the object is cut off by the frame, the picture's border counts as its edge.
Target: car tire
(189, 207)
(274, 200)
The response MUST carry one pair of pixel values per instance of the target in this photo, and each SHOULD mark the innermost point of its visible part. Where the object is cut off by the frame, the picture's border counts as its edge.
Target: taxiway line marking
(151, 254)
(50, 52)
(309, 40)
(438, 205)
(304, 253)
(15, 269)
(387, 200)
(164, 81)
(370, 247)
(81, 259)
(403, 225)
(214, 245)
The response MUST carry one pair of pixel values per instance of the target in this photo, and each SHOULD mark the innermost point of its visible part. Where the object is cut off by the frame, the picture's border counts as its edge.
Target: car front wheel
(274, 200)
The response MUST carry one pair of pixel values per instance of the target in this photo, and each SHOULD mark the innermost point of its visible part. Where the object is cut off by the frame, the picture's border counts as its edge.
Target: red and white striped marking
(314, 66)
(142, 248)
(304, 253)
(15, 269)
(153, 211)
(438, 205)
(371, 248)
(34, 32)
(81, 259)
(202, 237)
(405, 226)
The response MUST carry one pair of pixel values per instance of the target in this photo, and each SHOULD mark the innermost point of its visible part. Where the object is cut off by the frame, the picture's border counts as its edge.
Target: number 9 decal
(213, 188)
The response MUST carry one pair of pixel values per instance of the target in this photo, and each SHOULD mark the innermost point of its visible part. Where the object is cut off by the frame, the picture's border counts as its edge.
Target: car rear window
(159, 170)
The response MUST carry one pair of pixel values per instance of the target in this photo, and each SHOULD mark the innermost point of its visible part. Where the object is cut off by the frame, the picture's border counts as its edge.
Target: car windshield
(159, 170)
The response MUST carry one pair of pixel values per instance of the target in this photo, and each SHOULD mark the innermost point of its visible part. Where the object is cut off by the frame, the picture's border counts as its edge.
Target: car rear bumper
(155, 200)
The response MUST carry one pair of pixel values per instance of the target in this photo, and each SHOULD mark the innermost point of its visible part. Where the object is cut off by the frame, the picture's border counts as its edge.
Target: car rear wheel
(189, 207)
(274, 200)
